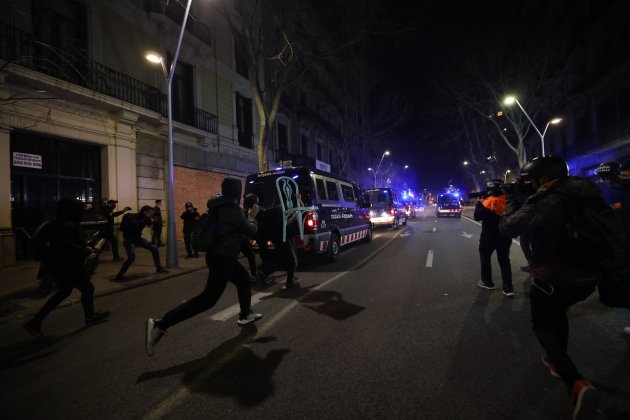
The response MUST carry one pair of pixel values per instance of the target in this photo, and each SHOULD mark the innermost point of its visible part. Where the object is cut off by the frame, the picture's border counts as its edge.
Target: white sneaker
(153, 335)
(252, 317)
(626, 330)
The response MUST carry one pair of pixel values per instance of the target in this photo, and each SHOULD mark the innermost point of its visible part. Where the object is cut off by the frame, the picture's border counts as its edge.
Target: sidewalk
(19, 289)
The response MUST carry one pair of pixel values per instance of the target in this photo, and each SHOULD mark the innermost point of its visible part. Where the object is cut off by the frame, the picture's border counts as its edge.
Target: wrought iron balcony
(20, 48)
(175, 11)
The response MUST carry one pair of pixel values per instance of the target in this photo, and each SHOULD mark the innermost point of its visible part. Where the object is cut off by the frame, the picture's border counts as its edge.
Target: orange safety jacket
(495, 204)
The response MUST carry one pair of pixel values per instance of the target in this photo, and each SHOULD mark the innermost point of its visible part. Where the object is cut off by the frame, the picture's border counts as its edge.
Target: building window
(183, 94)
(240, 61)
(304, 145)
(319, 152)
(283, 138)
(244, 121)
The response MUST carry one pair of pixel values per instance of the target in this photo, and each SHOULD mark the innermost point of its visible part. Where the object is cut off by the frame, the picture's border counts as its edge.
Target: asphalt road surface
(395, 329)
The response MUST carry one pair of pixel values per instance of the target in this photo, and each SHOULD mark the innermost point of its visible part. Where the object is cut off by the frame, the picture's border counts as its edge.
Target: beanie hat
(231, 187)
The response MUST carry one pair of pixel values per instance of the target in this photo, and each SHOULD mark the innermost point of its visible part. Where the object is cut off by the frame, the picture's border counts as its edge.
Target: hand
(253, 212)
(127, 209)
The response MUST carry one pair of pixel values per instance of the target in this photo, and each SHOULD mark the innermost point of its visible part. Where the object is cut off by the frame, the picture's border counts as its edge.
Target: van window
(333, 192)
(348, 193)
(321, 190)
(379, 196)
(265, 187)
(448, 199)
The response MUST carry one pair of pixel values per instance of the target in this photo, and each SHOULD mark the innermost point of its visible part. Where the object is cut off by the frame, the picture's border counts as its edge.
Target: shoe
(526, 269)
(196, 255)
(626, 330)
(119, 278)
(153, 335)
(97, 318)
(289, 284)
(585, 400)
(34, 328)
(508, 294)
(261, 277)
(552, 368)
(251, 317)
(161, 270)
(484, 285)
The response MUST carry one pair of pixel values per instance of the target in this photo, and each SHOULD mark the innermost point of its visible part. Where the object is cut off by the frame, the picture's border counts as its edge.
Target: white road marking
(233, 310)
(430, 258)
(402, 235)
(434, 229)
(477, 223)
(466, 235)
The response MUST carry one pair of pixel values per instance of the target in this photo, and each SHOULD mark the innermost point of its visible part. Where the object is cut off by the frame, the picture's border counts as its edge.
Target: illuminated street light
(465, 163)
(505, 175)
(385, 153)
(511, 100)
(171, 244)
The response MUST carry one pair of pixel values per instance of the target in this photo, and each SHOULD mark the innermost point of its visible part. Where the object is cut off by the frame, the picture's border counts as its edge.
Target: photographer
(489, 212)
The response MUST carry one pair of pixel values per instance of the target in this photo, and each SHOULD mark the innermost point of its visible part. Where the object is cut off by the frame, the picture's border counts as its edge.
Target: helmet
(493, 183)
(609, 170)
(550, 166)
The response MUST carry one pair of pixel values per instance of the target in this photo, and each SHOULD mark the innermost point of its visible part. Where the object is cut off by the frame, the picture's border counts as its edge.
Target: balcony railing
(20, 48)
(175, 11)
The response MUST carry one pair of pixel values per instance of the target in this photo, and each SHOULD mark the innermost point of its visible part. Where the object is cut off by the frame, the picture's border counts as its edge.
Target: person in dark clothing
(67, 266)
(190, 217)
(284, 255)
(132, 234)
(489, 212)
(246, 246)
(156, 227)
(223, 265)
(544, 214)
(108, 231)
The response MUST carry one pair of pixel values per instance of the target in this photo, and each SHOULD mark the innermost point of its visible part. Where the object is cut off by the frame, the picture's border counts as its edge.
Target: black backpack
(126, 224)
(39, 243)
(599, 240)
(204, 234)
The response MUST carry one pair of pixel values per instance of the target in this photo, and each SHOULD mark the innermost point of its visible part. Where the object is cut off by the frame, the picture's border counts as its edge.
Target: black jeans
(113, 243)
(188, 242)
(221, 269)
(67, 280)
(551, 325)
(284, 257)
(156, 235)
(526, 246)
(502, 246)
(246, 249)
(130, 247)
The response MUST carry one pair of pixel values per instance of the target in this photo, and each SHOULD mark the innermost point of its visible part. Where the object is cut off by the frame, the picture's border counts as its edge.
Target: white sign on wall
(26, 160)
(322, 166)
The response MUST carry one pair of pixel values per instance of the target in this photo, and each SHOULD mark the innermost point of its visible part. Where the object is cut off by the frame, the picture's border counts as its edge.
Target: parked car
(386, 207)
(448, 204)
(340, 215)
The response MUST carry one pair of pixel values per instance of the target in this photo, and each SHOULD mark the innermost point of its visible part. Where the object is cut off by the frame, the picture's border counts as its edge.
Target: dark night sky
(414, 61)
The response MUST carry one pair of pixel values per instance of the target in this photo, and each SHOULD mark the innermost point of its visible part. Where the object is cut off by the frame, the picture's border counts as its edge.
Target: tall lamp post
(510, 100)
(505, 175)
(385, 153)
(171, 244)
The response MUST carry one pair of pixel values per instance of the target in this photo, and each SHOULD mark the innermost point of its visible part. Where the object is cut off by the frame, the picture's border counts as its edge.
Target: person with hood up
(190, 216)
(67, 266)
(222, 262)
(555, 286)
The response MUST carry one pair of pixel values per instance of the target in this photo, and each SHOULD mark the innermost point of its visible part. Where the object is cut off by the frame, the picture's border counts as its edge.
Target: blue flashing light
(295, 176)
(456, 194)
(251, 182)
(277, 169)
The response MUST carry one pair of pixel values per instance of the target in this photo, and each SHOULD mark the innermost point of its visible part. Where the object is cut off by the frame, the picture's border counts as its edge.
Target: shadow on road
(324, 302)
(230, 370)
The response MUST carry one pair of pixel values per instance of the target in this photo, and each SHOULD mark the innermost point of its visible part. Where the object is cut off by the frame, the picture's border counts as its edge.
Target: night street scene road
(357, 209)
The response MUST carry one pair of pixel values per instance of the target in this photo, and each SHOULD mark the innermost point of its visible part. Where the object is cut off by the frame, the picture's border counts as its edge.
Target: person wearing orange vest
(489, 212)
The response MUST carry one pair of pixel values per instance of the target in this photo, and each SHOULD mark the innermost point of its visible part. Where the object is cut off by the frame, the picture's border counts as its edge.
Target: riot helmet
(551, 167)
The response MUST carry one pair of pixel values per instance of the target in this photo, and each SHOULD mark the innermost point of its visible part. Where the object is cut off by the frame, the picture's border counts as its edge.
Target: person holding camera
(555, 285)
(489, 211)
(108, 230)
(190, 216)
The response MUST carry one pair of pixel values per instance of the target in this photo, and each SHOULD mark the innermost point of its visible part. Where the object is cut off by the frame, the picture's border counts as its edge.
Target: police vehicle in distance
(386, 207)
(449, 204)
(340, 218)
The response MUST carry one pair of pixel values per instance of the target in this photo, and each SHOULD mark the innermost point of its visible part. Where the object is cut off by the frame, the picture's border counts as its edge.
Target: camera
(497, 187)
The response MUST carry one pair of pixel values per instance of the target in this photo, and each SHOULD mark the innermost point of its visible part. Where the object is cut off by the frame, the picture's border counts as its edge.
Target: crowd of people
(537, 212)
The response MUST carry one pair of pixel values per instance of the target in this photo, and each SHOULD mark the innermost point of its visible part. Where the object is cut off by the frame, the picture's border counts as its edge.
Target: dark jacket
(157, 218)
(68, 251)
(110, 215)
(137, 223)
(231, 225)
(544, 215)
(190, 218)
(489, 222)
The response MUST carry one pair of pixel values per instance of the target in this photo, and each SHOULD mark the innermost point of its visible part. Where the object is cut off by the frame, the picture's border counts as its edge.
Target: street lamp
(465, 163)
(171, 244)
(385, 153)
(505, 175)
(511, 100)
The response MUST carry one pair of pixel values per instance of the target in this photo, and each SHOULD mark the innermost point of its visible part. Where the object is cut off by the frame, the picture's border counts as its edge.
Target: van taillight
(310, 222)
(392, 211)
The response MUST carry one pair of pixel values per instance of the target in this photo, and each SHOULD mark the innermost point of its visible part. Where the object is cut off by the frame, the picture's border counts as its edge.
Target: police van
(338, 214)
(387, 207)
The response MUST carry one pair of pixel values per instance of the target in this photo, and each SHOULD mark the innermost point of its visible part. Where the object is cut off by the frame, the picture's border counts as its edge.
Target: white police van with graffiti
(331, 210)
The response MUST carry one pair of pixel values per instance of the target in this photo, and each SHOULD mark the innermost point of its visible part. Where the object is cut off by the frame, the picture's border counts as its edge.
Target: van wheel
(334, 248)
(368, 236)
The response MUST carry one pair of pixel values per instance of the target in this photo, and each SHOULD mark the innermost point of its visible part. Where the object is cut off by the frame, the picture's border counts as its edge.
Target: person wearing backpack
(489, 212)
(222, 262)
(132, 226)
(558, 281)
(108, 230)
(67, 265)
